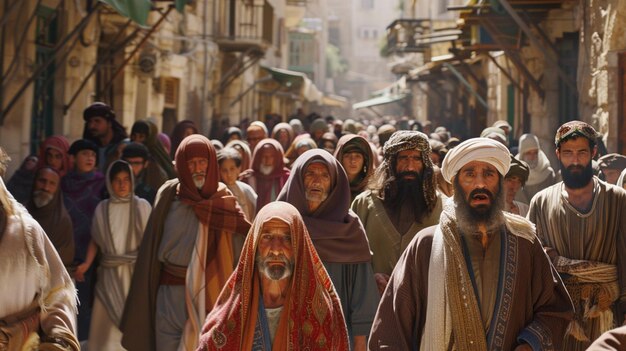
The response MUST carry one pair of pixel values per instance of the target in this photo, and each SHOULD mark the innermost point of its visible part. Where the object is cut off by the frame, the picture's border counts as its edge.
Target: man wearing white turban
(479, 280)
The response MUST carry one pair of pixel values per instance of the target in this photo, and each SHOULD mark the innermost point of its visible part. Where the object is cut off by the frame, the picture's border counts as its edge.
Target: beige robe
(386, 243)
(599, 236)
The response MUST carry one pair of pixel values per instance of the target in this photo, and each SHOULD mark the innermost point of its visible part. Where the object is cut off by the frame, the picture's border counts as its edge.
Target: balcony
(403, 34)
(244, 26)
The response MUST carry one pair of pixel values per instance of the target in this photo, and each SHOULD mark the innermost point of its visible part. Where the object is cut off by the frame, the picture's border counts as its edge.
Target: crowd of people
(315, 233)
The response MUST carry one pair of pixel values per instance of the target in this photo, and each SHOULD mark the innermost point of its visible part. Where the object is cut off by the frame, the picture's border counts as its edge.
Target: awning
(137, 10)
(296, 80)
(334, 101)
(380, 100)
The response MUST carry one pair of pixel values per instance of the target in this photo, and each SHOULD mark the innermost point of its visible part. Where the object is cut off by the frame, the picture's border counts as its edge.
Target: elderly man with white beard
(480, 279)
(46, 206)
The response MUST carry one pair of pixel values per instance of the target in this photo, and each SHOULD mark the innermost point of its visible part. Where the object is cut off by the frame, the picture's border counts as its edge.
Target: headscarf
(60, 144)
(178, 134)
(336, 231)
(476, 149)
(259, 124)
(100, 109)
(244, 150)
(297, 126)
(412, 140)
(612, 161)
(284, 127)
(219, 215)
(349, 126)
(265, 183)
(21, 183)
(543, 170)
(318, 125)
(354, 142)
(165, 141)
(55, 221)
(311, 319)
(110, 291)
(328, 136)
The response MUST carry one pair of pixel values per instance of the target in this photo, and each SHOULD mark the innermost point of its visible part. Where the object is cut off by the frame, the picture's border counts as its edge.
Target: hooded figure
(310, 317)
(116, 232)
(541, 173)
(268, 173)
(353, 143)
(186, 254)
(53, 217)
(338, 236)
(54, 152)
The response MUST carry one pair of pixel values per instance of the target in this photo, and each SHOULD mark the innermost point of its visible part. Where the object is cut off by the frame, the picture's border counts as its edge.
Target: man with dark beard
(480, 279)
(401, 200)
(582, 223)
(46, 206)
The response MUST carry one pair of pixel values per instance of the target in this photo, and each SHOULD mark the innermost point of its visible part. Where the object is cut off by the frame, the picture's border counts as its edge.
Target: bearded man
(318, 187)
(480, 279)
(401, 200)
(46, 206)
(280, 296)
(186, 254)
(38, 300)
(268, 173)
(582, 223)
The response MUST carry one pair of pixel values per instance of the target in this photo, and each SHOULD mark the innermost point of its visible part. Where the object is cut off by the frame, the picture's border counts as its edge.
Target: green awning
(380, 100)
(291, 79)
(138, 10)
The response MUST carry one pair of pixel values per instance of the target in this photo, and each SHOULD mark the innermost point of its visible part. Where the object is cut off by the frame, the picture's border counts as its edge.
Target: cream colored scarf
(452, 304)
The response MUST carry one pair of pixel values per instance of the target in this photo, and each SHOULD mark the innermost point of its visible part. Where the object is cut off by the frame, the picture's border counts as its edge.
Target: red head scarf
(196, 145)
(59, 143)
(311, 319)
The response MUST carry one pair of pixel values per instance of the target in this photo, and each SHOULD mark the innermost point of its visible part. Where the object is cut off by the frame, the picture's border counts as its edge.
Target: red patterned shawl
(312, 318)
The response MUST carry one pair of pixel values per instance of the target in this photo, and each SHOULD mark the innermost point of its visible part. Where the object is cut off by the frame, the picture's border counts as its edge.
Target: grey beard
(274, 272)
(266, 170)
(466, 218)
(199, 183)
(41, 198)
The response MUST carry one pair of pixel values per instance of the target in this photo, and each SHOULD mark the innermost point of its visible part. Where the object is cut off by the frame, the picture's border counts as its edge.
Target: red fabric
(263, 184)
(59, 143)
(315, 319)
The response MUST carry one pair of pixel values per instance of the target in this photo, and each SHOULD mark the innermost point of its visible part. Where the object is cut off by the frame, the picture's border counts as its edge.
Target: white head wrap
(476, 149)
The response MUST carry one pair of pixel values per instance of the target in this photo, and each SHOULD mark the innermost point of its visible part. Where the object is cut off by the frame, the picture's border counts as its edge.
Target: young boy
(229, 160)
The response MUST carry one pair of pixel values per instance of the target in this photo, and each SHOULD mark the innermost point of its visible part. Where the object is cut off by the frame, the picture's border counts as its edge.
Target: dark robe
(56, 222)
(532, 304)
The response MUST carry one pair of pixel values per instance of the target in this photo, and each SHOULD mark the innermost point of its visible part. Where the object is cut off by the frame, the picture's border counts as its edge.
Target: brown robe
(532, 305)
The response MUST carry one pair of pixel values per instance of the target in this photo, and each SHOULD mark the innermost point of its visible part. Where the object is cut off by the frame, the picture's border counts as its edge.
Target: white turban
(476, 149)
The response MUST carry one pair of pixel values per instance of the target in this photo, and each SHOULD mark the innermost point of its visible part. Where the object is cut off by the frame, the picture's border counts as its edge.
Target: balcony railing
(402, 35)
(244, 25)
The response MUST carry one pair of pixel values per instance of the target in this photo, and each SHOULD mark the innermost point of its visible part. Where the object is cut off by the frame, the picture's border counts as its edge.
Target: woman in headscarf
(53, 152)
(157, 151)
(283, 132)
(116, 232)
(180, 132)
(356, 156)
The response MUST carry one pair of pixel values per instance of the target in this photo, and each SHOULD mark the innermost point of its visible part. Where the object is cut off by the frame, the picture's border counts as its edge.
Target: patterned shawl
(264, 184)
(217, 210)
(354, 142)
(452, 315)
(336, 231)
(311, 319)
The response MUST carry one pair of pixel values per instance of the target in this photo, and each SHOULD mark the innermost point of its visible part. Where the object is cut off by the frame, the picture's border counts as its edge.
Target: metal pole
(45, 65)
(135, 50)
(467, 85)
